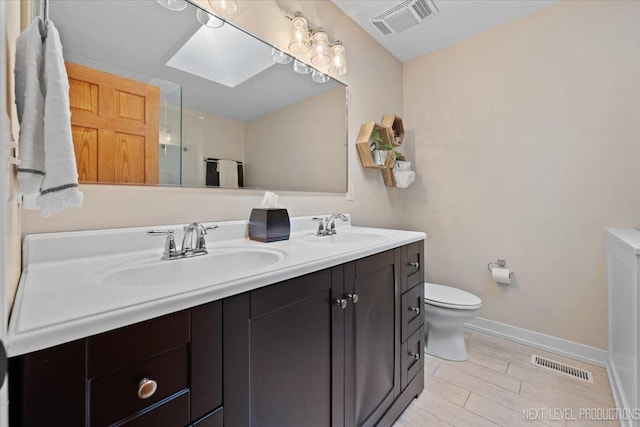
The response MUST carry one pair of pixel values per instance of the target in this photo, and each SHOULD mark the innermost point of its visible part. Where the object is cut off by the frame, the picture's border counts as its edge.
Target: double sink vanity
(109, 328)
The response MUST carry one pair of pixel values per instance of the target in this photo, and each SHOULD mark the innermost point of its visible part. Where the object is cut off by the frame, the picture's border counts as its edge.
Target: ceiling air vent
(404, 15)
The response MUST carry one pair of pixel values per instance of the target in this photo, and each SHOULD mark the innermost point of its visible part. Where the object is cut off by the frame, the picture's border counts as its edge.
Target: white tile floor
(497, 385)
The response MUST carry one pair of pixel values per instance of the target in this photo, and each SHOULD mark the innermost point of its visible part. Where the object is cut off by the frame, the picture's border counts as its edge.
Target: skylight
(222, 55)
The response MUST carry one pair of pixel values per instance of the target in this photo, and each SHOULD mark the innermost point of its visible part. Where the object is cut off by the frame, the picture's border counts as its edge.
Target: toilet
(446, 310)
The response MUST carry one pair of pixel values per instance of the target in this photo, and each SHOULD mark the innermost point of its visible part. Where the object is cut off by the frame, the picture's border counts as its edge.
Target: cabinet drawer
(412, 311)
(412, 265)
(173, 413)
(412, 357)
(114, 396)
(118, 349)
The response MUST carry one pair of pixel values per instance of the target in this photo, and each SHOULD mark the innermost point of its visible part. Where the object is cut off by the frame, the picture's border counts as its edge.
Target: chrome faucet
(170, 251)
(327, 226)
(320, 231)
(193, 241)
(330, 227)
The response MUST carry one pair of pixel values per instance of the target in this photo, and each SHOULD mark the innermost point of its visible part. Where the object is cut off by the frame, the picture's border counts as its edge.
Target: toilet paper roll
(501, 275)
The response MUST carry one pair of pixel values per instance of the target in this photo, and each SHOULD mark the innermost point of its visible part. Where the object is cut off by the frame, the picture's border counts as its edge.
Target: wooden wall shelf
(364, 140)
(397, 128)
(389, 179)
(392, 132)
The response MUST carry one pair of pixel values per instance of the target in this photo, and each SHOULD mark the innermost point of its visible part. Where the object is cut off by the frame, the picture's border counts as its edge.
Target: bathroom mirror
(191, 100)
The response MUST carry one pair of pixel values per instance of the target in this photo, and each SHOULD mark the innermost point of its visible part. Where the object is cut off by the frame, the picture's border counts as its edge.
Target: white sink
(350, 237)
(217, 266)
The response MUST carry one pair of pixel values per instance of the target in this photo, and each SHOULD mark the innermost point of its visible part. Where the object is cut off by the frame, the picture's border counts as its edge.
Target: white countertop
(61, 296)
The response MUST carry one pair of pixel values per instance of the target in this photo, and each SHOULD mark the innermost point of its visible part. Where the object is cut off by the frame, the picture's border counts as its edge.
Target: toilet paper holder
(502, 263)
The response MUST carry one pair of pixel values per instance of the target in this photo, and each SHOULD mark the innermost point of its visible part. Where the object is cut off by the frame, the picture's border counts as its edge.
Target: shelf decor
(366, 138)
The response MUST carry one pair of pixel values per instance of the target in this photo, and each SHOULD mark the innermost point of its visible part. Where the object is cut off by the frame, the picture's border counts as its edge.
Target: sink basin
(350, 237)
(218, 265)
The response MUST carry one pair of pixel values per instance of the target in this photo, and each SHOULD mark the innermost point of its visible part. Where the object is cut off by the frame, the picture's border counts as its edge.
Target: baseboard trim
(584, 353)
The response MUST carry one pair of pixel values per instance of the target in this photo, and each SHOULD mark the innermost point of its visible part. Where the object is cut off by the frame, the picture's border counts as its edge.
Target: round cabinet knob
(414, 264)
(415, 309)
(147, 388)
(353, 297)
(416, 356)
(342, 303)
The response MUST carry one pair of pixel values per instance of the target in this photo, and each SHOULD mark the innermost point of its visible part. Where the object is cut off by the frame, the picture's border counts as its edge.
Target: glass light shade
(175, 5)
(279, 57)
(225, 7)
(301, 67)
(319, 77)
(338, 59)
(299, 38)
(321, 55)
(208, 20)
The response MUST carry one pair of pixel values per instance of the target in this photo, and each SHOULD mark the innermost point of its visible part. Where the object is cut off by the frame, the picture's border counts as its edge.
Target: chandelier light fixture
(224, 7)
(299, 40)
(338, 65)
(323, 52)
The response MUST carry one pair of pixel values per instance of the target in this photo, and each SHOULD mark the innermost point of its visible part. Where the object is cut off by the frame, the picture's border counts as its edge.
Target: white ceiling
(457, 20)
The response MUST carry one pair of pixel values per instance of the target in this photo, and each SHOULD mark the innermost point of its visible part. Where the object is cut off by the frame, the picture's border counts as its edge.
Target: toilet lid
(446, 296)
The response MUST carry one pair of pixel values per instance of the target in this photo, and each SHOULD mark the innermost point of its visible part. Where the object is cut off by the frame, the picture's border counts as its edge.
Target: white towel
(48, 148)
(404, 178)
(30, 106)
(228, 170)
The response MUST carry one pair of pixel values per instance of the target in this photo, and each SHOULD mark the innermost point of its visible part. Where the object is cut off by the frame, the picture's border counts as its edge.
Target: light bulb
(299, 38)
(174, 5)
(338, 59)
(321, 52)
(225, 7)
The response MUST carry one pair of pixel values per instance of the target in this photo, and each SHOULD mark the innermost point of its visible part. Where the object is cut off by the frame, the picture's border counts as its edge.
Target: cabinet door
(47, 387)
(372, 337)
(206, 359)
(283, 354)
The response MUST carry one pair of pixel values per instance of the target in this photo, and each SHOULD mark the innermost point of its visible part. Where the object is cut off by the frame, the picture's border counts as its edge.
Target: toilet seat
(448, 297)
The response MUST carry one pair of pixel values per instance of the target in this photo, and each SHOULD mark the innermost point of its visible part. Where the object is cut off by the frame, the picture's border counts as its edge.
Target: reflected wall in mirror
(159, 98)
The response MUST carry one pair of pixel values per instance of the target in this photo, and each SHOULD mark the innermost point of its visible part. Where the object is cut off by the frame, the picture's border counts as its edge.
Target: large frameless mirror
(184, 98)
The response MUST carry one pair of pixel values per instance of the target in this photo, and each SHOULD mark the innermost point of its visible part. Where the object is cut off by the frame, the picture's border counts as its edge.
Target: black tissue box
(269, 225)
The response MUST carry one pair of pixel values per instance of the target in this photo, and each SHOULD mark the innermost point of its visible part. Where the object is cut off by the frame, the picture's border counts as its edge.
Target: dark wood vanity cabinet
(322, 350)
(341, 347)
(94, 381)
